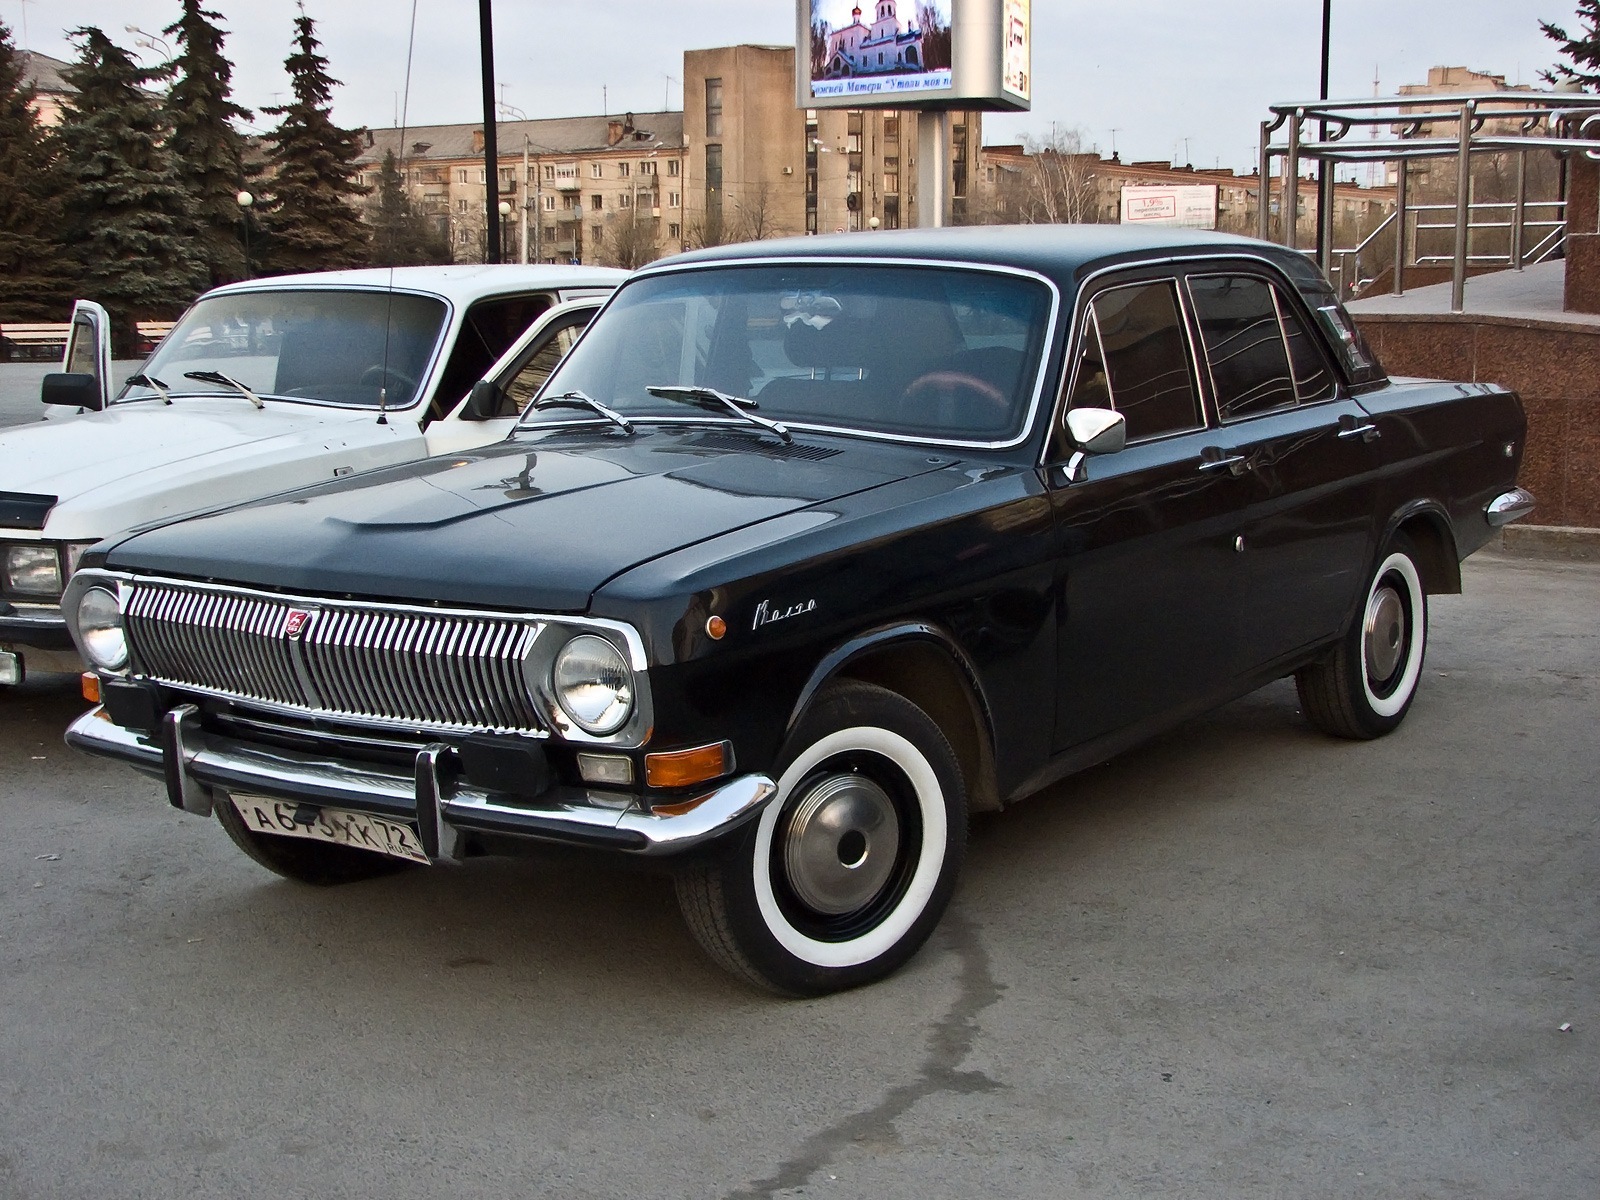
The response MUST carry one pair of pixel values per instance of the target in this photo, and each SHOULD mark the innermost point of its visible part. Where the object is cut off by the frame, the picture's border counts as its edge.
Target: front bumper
(39, 635)
(196, 765)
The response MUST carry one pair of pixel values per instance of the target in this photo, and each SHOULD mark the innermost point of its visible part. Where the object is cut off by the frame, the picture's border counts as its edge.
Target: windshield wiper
(577, 399)
(227, 381)
(151, 382)
(739, 406)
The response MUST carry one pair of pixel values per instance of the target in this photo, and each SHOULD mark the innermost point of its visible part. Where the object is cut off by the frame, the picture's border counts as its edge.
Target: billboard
(1186, 206)
(913, 54)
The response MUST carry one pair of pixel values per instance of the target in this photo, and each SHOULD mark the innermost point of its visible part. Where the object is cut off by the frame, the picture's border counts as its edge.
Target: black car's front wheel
(845, 874)
(1364, 687)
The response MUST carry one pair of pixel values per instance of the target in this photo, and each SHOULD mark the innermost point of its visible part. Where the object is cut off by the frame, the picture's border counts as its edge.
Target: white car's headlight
(593, 684)
(100, 628)
(32, 571)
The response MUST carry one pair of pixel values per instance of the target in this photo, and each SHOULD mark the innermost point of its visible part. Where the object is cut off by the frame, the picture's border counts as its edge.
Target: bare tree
(629, 242)
(707, 228)
(754, 220)
(1055, 184)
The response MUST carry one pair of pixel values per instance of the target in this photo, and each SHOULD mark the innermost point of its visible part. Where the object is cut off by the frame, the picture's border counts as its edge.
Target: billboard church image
(886, 56)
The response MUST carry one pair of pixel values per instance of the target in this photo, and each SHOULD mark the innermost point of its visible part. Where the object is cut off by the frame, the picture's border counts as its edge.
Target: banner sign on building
(1187, 206)
(913, 54)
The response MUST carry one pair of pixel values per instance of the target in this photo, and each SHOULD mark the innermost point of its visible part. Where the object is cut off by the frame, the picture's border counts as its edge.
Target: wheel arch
(924, 664)
(1427, 525)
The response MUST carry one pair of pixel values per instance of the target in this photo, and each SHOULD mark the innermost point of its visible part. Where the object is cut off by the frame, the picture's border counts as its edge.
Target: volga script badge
(295, 622)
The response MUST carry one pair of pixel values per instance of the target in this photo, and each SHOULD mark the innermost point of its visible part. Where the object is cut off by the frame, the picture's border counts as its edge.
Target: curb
(1570, 543)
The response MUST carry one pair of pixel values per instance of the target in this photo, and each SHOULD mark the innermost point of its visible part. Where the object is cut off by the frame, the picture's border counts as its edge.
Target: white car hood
(142, 461)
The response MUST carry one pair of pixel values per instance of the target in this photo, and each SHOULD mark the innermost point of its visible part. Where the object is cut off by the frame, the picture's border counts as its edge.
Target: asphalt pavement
(1244, 960)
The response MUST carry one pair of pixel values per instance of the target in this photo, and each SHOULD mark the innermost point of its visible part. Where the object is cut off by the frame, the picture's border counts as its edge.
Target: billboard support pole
(933, 169)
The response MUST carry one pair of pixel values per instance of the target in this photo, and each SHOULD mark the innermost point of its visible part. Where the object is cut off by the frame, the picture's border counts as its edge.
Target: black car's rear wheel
(300, 859)
(843, 876)
(1364, 687)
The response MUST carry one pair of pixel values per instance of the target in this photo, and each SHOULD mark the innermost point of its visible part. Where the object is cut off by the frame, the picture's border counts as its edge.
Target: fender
(1437, 516)
(876, 639)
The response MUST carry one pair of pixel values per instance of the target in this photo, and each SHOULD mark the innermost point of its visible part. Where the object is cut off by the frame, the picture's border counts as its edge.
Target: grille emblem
(295, 622)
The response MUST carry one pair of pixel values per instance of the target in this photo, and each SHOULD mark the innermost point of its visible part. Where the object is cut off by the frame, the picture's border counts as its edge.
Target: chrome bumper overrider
(196, 764)
(1508, 507)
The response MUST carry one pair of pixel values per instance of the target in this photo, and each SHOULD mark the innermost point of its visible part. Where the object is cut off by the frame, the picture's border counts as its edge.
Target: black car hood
(538, 523)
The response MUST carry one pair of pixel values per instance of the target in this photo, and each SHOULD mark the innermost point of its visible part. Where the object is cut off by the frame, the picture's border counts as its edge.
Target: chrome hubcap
(840, 845)
(1385, 633)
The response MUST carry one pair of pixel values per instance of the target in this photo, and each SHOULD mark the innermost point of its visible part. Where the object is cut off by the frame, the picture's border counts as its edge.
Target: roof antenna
(388, 306)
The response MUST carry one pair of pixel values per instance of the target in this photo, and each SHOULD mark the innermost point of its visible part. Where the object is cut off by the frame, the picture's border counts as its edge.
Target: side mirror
(483, 401)
(73, 389)
(1097, 430)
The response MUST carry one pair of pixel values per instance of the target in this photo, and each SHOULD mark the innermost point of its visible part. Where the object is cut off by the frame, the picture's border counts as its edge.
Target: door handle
(1367, 433)
(1235, 463)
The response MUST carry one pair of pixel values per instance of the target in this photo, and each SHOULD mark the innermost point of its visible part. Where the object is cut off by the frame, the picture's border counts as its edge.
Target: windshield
(324, 346)
(940, 353)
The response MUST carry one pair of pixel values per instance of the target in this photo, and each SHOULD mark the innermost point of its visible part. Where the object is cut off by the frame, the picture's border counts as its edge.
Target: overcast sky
(1158, 72)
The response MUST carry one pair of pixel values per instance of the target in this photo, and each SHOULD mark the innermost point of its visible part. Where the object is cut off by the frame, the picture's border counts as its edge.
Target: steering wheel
(380, 375)
(955, 399)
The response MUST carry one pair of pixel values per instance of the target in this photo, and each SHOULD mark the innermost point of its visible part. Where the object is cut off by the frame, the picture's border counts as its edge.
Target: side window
(1313, 381)
(1244, 344)
(486, 333)
(1134, 358)
(531, 374)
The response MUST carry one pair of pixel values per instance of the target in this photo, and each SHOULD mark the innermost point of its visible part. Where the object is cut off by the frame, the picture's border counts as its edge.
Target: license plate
(363, 831)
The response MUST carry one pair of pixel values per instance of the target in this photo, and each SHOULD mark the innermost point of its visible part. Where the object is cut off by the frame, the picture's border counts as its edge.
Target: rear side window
(1134, 358)
(1244, 343)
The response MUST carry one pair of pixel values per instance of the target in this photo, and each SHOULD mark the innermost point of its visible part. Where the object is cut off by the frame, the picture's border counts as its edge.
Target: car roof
(1063, 252)
(462, 283)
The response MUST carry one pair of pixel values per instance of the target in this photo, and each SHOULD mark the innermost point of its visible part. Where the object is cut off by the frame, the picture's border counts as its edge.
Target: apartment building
(580, 189)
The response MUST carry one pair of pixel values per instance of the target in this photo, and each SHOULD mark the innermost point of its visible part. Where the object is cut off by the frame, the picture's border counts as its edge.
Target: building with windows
(581, 189)
(740, 162)
(760, 167)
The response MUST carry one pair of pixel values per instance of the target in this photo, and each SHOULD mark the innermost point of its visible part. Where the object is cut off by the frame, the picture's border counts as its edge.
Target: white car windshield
(926, 352)
(331, 347)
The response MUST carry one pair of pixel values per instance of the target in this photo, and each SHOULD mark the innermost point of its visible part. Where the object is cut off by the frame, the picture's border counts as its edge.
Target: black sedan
(807, 551)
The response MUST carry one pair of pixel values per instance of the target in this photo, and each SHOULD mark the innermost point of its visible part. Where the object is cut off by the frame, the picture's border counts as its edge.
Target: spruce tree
(34, 281)
(207, 150)
(310, 212)
(1582, 52)
(401, 236)
(129, 222)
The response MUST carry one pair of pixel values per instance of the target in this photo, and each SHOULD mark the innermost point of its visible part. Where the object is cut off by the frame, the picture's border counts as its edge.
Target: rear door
(1308, 455)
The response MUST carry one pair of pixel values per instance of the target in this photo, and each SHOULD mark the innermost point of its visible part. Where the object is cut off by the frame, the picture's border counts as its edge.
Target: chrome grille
(418, 668)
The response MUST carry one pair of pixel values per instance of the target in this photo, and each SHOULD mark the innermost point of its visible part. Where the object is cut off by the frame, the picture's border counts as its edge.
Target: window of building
(549, 172)
(714, 181)
(463, 237)
(672, 166)
(461, 205)
(674, 231)
(1133, 358)
(596, 232)
(624, 170)
(597, 170)
(891, 174)
(549, 233)
(1244, 345)
(597, 201)
(461, 175)
(483, 175)
(549, 204)
(713, 108)
(891, 129)
(625, 200)
(647, 167)
(674, 199)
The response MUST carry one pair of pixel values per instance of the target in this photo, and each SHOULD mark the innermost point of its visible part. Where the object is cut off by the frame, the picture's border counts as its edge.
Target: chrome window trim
(1185, 321)
(540, 650)
(1185, 263)
(1040, 373)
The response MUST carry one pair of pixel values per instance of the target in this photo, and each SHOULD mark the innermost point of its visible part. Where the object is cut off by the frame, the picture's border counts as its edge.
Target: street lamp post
(505, 211)
(245, 200)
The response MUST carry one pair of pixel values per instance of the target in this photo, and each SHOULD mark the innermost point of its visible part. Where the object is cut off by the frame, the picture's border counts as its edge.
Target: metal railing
(1514, 124)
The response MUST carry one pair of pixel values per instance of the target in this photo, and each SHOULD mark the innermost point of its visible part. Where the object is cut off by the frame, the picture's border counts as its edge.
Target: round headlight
(100, 627)
(593, 684)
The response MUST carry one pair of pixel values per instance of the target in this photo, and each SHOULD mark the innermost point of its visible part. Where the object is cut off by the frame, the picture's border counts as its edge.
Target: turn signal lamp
(91, 687)
(685, 768)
